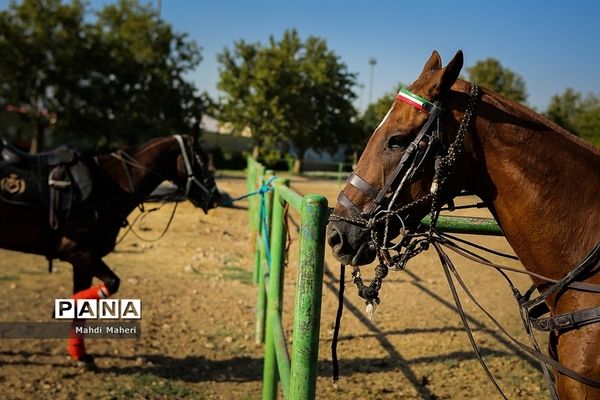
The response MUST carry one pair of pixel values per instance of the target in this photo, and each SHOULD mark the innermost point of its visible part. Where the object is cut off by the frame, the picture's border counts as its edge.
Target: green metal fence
(298, 374)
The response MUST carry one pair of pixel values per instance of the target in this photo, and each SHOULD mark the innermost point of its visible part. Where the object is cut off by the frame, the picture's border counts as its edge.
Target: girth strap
(571, 320)
(589, 261)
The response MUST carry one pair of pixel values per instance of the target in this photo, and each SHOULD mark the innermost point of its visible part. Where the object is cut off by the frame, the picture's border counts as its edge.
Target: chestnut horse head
(396, 170)
(443, 135)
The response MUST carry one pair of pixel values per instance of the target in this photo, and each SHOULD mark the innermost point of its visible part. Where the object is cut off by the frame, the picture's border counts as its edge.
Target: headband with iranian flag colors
(418, 102)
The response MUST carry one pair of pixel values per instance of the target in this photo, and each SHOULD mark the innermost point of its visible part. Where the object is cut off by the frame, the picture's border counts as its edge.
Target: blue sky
(552, 44)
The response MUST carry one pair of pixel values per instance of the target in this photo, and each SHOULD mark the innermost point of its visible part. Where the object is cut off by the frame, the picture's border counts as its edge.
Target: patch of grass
(9, 277)
(204, 275)
(152, 386)
(235, 273)
(231, 260)
(41, 271)
(450, 362)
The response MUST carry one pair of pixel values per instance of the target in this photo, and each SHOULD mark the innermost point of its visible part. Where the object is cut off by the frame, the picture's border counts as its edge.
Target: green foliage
(375, 113)
(293, 95)
(492, 75)
(113, 79)
(577, 114)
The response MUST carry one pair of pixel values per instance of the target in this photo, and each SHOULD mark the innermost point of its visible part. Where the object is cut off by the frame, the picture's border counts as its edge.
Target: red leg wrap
(76, 347)
(75, 344)
(93, 293)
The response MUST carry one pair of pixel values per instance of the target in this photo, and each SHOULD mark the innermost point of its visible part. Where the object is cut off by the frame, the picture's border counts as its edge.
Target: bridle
(191, 177)
(427, 142)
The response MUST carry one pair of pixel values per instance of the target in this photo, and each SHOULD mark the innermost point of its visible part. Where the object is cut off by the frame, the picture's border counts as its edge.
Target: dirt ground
(199, 301)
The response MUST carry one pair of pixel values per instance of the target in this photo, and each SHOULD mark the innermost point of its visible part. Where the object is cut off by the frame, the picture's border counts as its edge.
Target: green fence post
(276, 274)
(340, 173)
(250, 187)
(260, 264)
(253, 210)
(307, 308)
(263, 269)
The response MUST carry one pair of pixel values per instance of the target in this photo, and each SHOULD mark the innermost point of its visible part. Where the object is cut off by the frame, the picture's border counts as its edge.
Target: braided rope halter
(384, 209)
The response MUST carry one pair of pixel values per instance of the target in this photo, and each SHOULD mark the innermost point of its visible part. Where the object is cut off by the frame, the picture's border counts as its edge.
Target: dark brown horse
(541, 183)
(121, 181)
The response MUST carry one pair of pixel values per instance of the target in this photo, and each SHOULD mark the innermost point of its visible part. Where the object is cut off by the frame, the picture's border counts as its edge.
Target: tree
(492, 75)
(144, 92)
(577, 114)
(112, 79)
(38, 41)
(293, 95)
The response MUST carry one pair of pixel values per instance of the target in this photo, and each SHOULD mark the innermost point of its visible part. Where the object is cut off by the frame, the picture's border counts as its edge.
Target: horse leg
(577, 349)
(82, 280)
(85, 267)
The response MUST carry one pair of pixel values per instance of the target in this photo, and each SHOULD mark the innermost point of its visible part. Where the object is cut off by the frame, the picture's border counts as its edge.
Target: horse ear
(433, 64)
(440, 82)
(451, 72)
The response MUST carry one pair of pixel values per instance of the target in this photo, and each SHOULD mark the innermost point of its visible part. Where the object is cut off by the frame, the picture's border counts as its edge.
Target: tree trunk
(298, 162)
(37, 142)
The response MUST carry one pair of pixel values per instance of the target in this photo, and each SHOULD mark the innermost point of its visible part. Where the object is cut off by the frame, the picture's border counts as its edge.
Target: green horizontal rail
(293, 198)
(470, 225)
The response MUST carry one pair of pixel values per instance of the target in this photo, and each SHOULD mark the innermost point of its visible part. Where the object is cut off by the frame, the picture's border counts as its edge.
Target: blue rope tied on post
(265, 227)
(266, 187)
(262, 190)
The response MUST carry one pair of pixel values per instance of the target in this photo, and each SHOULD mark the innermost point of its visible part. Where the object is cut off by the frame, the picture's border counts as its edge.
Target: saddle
(56, 180)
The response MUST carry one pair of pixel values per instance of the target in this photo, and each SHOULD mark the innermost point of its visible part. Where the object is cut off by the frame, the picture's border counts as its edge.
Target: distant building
(216, 134)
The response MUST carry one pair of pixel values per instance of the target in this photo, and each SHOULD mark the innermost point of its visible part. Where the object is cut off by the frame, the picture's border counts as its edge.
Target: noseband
(428, 141)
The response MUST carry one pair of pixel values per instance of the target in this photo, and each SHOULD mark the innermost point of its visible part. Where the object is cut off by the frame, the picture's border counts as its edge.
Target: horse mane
(147, 145)
(528, 115)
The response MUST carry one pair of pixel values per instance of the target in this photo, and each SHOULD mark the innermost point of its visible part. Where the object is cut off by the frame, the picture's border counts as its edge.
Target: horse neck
(152, 163)
(541, 183)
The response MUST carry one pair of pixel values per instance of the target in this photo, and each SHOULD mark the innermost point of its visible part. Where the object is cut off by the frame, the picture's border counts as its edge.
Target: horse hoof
(87, 362)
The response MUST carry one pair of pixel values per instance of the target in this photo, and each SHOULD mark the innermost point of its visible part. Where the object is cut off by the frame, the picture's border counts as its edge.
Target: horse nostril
(334, 238)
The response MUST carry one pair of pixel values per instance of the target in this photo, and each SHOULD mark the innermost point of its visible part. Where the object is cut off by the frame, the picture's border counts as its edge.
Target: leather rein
(426, 142)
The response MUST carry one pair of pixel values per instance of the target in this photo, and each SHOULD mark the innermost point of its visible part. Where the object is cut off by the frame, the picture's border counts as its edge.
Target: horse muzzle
(350, 244)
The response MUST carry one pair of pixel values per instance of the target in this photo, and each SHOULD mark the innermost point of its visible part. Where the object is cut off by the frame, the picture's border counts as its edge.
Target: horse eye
(398, 142)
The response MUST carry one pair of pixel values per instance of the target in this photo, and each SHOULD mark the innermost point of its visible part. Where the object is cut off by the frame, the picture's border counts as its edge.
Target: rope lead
(338, 320)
